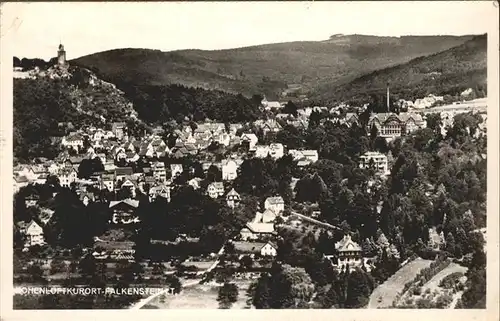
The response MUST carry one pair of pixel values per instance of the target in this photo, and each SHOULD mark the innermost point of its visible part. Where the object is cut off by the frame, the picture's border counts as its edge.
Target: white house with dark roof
(159, 171)
(275, 204)
(33, 233)
(74, 140)
(377, 160)
(349, 253)
(255, 231)
(253, 249)
(251, 138)
(229, 170)
(67, 176)
(233, 198)
(176, 169)
(124, 211)
(215, 189)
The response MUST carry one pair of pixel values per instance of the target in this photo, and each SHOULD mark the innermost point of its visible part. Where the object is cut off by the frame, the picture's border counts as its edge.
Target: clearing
(384, 294)
(198, 297)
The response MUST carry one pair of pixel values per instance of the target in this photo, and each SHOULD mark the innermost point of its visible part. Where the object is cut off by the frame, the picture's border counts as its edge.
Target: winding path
(150, 298)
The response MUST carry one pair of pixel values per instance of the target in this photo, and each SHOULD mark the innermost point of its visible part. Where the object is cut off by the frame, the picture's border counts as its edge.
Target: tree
(451, 246)
(290, 108)
(359, 288)
(35, 272)
(286, 287)
(57, 266)
(246, 262)
(228, 294)
(88, 266)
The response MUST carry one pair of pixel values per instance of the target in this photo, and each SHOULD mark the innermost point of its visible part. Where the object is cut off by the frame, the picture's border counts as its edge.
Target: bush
(417, 291)
(451, 280)
(443, 301)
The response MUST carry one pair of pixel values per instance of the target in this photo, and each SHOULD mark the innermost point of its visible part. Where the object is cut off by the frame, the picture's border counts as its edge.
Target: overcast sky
(35, 29)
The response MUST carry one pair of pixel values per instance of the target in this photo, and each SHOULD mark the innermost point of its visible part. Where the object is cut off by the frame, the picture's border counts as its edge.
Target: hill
(266, 69)
(445, 73)
(51, 98)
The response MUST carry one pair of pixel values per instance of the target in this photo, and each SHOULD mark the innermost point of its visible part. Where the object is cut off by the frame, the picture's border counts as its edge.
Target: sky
(35, 29)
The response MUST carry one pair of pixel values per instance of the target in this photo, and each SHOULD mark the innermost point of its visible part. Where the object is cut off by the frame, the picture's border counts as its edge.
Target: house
(275, 204)
(131, 157)
(124, 211)
(114, 249)
(33, 233)
(86, 198)
(255, 231)
(375, 159)
(270, 104)
(176, 169)
(195, 183)
(351, 119)
(221, 138)
(26, 171)
(276, 150)
(74, 141)
(159, 171)
(160, 191)
(252, 140)
(130, 183)
(20, 182)
(436, 240)
(261, 151)
(349, 253)
(215, 189)
(67, 176)
(108, 182)
(309, 156)
(31, 200)
(233, 198)
(118, 129)
(390, 125)
(253, 249)
(271, 125)
(122, 172)
(268, 216)
(229, 170)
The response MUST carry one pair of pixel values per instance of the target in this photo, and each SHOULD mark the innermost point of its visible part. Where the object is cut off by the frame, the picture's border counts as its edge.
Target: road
(314, 221)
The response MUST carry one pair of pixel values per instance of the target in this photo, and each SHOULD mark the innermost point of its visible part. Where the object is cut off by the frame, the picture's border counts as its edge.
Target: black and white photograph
(249, 155)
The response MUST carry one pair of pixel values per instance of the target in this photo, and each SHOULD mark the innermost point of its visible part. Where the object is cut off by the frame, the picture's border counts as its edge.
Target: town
(321, 193)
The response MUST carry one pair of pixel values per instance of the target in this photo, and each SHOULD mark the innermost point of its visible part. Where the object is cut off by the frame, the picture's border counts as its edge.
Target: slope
(266, 69)
(447, 72)
(42, 103)
(384, 294)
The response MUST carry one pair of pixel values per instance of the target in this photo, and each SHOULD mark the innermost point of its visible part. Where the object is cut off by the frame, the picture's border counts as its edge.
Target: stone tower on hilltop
(61, 57)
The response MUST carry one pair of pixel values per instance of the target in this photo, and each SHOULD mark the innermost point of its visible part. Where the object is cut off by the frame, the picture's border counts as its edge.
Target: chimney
(388, 103)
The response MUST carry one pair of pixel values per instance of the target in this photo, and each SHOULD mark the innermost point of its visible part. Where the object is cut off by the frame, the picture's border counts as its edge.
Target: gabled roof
(232, 192)
(248, 247)
(217, 185)
(260, 227)
(275, 200)
(124, 171)
(347, 244)
(20, 179)
(128, 201)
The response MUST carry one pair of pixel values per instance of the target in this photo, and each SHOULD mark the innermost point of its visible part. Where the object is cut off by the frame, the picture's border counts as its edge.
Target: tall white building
(378, 160)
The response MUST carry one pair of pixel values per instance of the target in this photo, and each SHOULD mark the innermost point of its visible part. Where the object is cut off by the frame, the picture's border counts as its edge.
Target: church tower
(61, 56)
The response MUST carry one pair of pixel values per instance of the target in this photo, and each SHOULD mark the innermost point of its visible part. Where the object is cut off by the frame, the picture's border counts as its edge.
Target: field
(198, 297)
(384, 294)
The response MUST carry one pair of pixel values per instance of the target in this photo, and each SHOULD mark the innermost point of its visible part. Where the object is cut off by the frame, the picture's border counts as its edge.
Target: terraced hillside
(384, 294)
